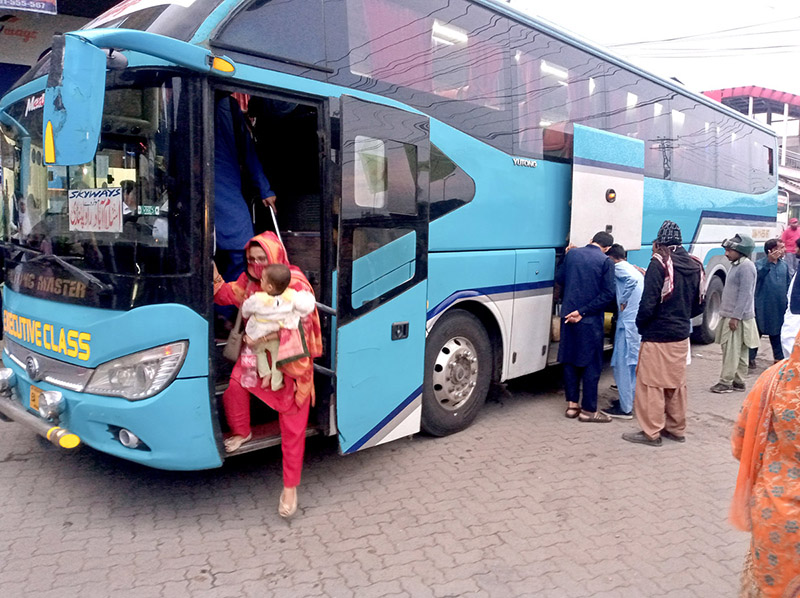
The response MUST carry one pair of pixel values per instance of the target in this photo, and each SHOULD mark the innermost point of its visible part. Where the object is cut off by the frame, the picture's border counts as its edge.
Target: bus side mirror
(73, 101)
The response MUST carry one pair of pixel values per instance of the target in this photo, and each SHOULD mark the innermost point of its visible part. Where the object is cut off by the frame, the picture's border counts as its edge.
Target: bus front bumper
(12, 409)
(173, 430)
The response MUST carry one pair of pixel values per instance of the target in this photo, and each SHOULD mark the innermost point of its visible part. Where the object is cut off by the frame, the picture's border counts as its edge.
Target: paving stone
(522, 503)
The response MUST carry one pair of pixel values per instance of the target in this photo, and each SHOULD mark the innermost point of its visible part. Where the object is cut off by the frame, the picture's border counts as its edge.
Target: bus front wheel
(458, 370)
(707, 331)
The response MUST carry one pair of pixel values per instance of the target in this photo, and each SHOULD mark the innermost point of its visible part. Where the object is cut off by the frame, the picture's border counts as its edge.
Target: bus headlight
(139, 375)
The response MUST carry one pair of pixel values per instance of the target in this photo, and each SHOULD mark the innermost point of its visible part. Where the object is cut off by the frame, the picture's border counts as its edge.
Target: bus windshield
(120, 215)
(174, 18)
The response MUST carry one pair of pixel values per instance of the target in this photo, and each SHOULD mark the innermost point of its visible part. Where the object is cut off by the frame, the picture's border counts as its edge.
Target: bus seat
(454, 93)
(557, 140)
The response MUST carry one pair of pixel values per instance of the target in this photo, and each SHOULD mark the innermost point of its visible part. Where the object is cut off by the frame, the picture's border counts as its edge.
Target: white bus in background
(783, 208)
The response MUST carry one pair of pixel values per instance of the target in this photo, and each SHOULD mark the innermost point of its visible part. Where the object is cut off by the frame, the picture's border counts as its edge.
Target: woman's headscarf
(302, 370)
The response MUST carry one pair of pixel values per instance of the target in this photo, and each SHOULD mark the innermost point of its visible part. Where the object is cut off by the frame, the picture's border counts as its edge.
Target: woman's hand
(218, 281)
(272, 336)
(248, 341)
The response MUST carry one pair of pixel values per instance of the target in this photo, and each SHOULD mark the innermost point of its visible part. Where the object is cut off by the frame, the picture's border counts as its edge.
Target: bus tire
(707, 331)
(458, 371)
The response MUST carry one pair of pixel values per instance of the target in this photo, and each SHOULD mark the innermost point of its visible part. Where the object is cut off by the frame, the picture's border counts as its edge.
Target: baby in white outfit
(276, 307)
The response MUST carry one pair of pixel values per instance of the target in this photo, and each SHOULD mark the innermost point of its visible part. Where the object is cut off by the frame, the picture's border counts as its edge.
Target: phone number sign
(47, 6)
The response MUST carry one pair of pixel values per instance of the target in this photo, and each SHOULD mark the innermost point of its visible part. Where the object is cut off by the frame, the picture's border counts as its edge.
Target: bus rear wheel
(708, 328)
(458, 370)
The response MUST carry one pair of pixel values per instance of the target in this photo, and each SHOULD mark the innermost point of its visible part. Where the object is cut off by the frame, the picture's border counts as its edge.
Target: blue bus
(432, 159)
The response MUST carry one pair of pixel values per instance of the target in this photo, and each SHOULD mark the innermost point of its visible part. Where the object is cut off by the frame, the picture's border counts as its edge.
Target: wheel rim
(712, 311)
(455, 373)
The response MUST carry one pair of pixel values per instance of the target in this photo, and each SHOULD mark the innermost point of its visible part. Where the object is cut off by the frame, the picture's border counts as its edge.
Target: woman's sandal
(572, 412)
(234, 443)
(286, 510)
(597, 417)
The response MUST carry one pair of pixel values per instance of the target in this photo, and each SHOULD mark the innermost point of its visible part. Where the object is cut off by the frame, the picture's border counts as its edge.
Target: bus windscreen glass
(174, 18)
(119, 215)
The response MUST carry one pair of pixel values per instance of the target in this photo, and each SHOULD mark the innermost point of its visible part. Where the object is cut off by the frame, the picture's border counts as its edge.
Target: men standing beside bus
(586, 280)
(630, 283)
(670, 299)
(737, 331)
(772, 284)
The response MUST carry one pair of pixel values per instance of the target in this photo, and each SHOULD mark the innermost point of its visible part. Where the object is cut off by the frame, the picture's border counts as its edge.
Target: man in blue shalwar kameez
(586, 278)
(234, 157)
(772, 284)
(627, 340)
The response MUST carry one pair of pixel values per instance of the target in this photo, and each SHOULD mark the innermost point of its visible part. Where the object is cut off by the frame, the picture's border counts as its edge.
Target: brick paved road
(524, 503)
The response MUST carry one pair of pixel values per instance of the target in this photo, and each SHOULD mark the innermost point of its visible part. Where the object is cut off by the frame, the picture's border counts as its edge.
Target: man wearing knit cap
(670, 299)
(737, 332)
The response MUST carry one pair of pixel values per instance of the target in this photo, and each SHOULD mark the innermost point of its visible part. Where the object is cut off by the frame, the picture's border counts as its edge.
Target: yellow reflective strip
(49, 144)
(52, 430)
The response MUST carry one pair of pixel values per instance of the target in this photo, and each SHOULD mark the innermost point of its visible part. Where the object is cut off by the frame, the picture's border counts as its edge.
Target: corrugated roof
(764, 100)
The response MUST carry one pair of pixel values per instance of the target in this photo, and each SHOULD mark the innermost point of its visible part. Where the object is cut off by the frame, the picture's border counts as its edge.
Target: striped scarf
(669, 275)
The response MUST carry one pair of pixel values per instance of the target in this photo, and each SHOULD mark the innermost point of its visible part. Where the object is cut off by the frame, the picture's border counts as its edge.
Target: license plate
(34, 396)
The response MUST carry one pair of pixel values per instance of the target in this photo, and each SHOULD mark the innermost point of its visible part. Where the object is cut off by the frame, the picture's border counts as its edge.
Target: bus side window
(296, 31)
(450, 187)
(445, 58)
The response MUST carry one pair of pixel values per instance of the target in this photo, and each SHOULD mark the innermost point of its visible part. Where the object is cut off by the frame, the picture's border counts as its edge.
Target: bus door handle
(325, 309)
(324, 371)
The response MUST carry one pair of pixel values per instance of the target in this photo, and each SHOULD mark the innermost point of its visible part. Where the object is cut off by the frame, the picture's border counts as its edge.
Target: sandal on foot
(287, 509)
(597, 417)
(234, 443)
(572, 412)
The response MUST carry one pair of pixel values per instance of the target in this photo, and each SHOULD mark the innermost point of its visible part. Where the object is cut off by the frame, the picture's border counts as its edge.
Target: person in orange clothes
(766, 502)
(292, 402)
(790, 236)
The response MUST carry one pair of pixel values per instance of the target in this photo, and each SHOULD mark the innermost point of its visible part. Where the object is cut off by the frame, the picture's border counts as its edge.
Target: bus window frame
(348, 224)
(215, 42)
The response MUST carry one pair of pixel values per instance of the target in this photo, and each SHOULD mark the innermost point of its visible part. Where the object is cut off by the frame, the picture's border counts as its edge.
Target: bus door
(607, 187)
(381, 273)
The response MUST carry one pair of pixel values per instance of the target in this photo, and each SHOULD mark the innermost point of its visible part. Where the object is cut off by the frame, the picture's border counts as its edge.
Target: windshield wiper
(15, 247)
(82, 274)
(90, 278)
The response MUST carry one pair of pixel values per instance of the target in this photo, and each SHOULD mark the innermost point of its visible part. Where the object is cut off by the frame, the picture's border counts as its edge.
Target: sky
(706, 44)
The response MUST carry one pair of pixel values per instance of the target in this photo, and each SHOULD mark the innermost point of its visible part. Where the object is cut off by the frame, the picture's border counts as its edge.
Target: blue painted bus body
(368, 421)
(176, 424)
(475, 252)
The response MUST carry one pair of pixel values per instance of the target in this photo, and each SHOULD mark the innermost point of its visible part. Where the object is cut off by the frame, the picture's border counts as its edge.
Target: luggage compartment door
(607, 187)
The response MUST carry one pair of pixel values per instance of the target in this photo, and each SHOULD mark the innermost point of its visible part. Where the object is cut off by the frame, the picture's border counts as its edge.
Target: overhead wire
(706, 34)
